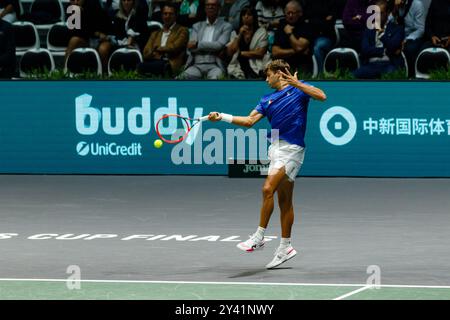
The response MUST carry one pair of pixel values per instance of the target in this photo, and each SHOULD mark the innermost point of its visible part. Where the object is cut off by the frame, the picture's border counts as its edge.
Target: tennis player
(286, 109)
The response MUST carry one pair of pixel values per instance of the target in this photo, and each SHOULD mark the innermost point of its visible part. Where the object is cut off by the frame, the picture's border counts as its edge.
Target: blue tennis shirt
(286, 111)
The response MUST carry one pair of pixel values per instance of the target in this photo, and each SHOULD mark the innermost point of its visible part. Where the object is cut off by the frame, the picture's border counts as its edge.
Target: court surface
(174, 237)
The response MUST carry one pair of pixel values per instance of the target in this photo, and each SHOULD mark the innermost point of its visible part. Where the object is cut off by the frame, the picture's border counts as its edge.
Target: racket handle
(204, 118)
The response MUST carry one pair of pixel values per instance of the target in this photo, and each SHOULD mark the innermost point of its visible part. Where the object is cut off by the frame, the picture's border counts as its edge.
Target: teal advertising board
(376, 129)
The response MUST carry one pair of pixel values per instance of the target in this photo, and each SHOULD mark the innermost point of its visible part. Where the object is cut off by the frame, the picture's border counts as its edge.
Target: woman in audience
(248, 47)
(129, 29)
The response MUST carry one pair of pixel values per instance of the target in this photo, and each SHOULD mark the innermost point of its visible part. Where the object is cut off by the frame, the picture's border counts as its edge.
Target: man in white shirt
(206, 44)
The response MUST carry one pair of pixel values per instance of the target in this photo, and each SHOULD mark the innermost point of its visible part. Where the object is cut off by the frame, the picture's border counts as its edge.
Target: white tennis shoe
(252, 244)
(281, 256)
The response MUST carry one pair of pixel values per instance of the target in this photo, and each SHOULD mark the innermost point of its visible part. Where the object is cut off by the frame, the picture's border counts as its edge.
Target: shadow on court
(250, 273)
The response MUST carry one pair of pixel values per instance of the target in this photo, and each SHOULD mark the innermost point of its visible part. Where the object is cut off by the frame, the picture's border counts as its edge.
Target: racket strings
(185, 124)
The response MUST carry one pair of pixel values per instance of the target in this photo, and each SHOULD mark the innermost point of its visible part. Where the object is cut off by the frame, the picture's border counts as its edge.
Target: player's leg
(285, 192)
(271, 184)
(285, 251)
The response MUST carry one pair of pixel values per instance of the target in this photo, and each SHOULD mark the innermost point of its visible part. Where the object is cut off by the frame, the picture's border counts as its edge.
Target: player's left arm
(313, 92)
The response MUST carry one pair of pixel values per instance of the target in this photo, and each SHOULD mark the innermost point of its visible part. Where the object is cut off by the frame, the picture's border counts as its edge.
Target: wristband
(226, 117)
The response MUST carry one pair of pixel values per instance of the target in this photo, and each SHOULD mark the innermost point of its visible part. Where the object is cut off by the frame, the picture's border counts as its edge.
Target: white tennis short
(287, 155)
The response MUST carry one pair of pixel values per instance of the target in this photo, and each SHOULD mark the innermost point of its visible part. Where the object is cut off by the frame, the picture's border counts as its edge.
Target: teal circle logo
(338, 126)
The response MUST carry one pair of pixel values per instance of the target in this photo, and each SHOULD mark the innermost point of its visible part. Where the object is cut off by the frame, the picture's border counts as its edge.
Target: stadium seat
(26, 36)
(315, 71)
(83, 60)
(430, 59)
(154, 25)
(405, 64)
(44, 13)
(19, 9)
(58, 38)
(341, 58)
(339, 30)
(123, 58)
(36, 59)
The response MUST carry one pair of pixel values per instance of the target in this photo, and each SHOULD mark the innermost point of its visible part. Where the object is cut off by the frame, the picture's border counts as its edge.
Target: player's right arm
(247, 121)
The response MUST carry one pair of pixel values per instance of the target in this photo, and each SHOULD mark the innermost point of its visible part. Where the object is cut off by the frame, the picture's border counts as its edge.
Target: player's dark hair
(277, 65)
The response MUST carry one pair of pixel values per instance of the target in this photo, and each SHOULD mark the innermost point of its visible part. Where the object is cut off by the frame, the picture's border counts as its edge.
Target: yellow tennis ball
(158, 143)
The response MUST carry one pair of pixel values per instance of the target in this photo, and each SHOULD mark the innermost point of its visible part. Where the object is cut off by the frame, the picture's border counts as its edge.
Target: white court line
(231, 283)
(352, 293)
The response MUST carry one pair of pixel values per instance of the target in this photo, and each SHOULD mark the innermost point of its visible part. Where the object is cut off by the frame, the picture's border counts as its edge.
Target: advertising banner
(376, 129)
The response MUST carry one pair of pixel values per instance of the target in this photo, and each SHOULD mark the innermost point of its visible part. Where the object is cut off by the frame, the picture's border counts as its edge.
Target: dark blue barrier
(395, 129)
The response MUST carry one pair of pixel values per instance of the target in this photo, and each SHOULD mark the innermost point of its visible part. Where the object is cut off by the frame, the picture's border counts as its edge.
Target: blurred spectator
(156, 8)
(142, 8)
(8, 11)
(426, 5)
(437, 27)
(381, 46)
(235, 12)
(188, 16)
(129, 29)
(411, 14)
(96, 26)
(270, 13)
(293, 38)
(189, 8)
(165, 52)
(248, 48)
(7, 50)
(320, 15)
(354, 18)
(112, 6)
(206, 45)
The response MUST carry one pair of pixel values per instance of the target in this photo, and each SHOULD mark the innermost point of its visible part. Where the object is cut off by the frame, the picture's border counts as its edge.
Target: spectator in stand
(354, 19)
(207, 45)
(293, 38)
(437, 26)
(381, 46)
(7, 50)
(411, 14)
(128, 27)
(248, 47)
(96, 27)
(426, 5)
(235, 12)
(320, 15)
(189, 8)
(191, 12)
(165, 52)
(8, 11)
(270, 13)
(142, 9)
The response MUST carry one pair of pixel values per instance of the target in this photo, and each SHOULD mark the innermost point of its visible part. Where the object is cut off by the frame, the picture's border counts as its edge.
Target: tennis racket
(186, 127)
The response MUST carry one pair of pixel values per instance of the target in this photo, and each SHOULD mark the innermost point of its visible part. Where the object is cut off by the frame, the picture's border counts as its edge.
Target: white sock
(285, 242)
(260, 232)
